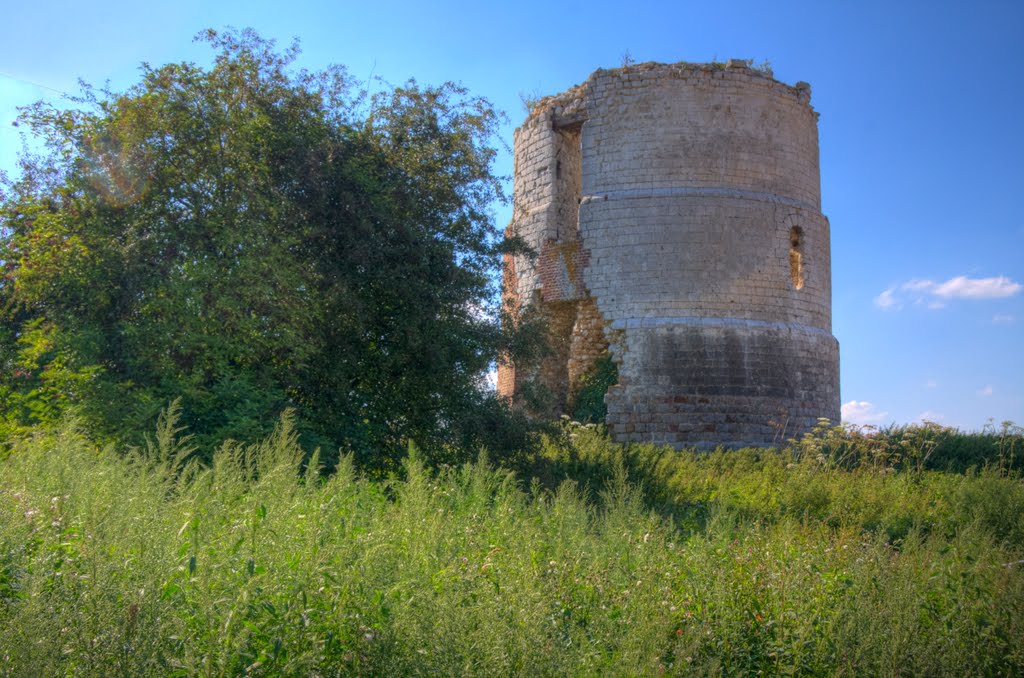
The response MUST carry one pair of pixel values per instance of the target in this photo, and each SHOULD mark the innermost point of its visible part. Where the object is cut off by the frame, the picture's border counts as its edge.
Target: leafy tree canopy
(251, 237)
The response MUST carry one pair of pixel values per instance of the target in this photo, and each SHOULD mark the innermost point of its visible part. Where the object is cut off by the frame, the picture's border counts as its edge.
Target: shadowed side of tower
(675, 211)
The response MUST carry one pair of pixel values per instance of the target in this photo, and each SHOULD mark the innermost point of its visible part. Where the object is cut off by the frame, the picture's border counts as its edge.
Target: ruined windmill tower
(675, 212)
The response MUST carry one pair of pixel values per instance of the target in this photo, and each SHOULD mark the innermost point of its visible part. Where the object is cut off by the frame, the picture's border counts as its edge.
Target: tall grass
(839, 478)
(641, 561)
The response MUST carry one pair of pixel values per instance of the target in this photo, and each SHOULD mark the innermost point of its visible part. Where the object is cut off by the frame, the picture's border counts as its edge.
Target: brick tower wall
(693, 237)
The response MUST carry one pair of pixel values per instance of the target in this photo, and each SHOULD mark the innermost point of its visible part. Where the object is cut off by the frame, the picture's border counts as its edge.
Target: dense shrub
(944, 448)
(250, 237)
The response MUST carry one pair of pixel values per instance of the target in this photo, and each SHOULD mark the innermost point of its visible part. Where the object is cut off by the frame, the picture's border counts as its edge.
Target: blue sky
(922, 145)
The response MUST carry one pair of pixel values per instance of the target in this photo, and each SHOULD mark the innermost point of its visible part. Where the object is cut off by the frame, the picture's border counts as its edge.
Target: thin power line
(34, 84)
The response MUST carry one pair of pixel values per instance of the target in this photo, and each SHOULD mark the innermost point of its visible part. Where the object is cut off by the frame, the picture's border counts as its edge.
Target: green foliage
(151, 564)
(530, 100)
(41, 378)
(949, 449)
(249, 238)
(588, 405)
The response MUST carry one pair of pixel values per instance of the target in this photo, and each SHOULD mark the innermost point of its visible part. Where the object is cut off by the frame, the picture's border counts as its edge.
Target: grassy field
(840, 555)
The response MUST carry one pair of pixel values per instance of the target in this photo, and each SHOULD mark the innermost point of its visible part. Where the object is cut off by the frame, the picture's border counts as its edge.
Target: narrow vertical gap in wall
(796, 257)
(568, 180)
(560, 317)
(563, 316)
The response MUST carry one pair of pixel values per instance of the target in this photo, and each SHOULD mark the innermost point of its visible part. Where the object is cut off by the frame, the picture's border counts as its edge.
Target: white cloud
(962, 287)
(932, 383)
(934, 295)
(917, 285)
(862, 412)
(932, 416)
(985, 392)
(887, 300)
(1002, 319)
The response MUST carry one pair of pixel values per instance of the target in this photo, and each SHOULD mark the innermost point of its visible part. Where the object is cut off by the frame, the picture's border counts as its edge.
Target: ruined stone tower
(675, 213)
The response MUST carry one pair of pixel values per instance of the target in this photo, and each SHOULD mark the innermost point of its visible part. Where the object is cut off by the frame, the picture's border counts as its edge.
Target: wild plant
(831, 558)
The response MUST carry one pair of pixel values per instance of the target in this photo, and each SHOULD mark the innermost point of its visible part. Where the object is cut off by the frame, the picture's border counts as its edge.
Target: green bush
(944, 448)
(250, 237)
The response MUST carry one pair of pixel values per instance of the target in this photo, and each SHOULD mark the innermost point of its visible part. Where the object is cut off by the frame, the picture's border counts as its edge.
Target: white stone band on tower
(676, 215)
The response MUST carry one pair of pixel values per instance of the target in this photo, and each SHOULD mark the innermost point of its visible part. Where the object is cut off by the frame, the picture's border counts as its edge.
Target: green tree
(249, 238)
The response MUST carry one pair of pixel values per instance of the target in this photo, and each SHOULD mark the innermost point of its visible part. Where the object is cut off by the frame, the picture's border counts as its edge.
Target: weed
(845, 553)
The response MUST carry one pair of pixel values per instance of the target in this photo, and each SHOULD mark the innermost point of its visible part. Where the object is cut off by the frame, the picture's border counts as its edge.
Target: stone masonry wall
(676, 213)
(547, 186)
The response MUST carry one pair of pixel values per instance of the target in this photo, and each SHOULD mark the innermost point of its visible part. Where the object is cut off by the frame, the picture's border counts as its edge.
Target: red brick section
(576, 326)
(560, 270)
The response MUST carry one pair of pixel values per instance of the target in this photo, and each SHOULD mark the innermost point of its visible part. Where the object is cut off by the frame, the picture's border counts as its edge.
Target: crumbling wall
(588, 343)
(547, 189)
(676, 213)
